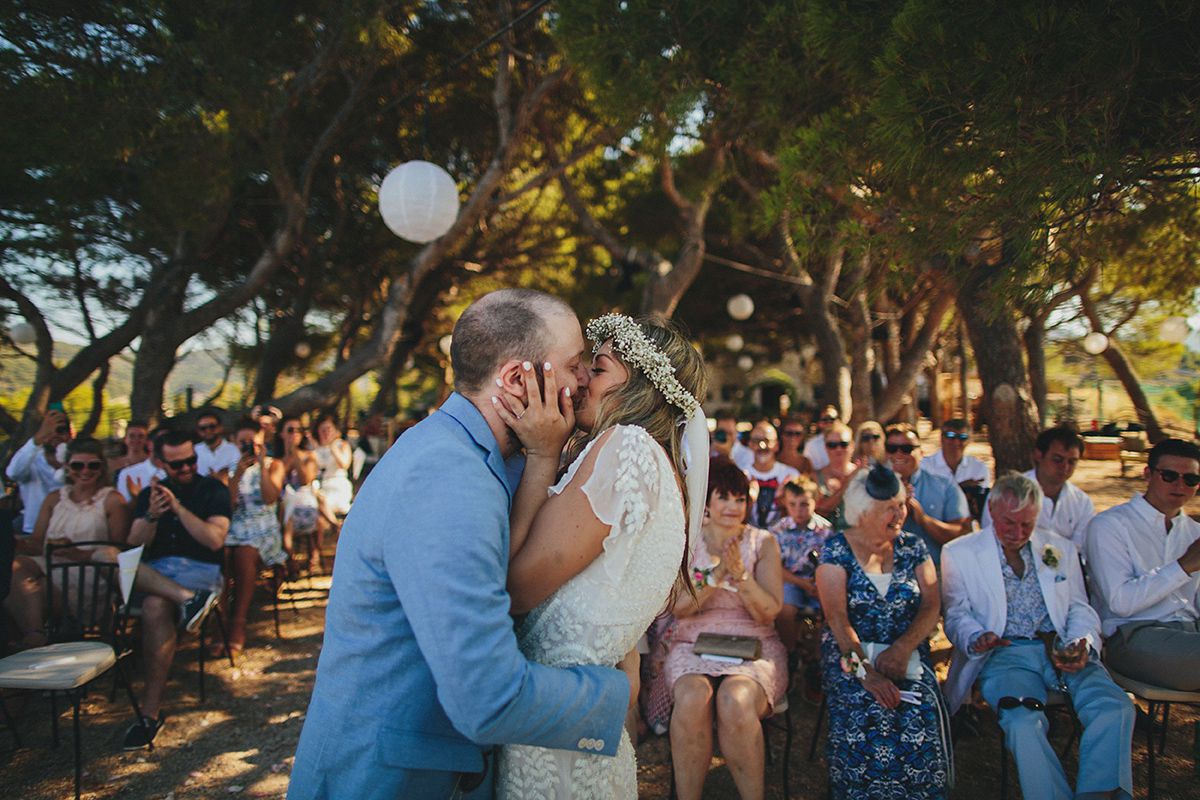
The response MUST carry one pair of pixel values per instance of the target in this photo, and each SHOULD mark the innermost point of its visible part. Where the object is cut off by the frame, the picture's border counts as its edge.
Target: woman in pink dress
(738, 573)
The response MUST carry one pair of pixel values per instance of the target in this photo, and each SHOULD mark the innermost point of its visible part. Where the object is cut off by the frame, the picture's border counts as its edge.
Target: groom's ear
(512, 380)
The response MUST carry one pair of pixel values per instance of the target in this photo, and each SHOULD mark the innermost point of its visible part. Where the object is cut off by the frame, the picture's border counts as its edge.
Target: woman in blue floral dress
(888, 727)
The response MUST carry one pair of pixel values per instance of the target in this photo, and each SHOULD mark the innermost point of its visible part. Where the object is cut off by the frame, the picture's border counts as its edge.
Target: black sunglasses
(828, 419)
(1170, 476)
(792, 433)
(210, 427)
(900, 448)
(956, 435)
(1032, 703)
(868, 437)
(180, 463)
(835, 445)
(80, 466)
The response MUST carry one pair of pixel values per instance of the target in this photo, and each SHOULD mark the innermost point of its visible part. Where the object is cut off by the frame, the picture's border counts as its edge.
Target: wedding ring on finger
(520, 415)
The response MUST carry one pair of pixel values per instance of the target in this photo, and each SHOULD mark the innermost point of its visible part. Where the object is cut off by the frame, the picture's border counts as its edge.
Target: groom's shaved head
(502, 326)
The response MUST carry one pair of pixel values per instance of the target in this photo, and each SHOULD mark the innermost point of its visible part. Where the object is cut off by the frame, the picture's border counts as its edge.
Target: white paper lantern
(444, 344)
(302, 349)
(734, 342)
(1173, 329)
(745, 363)
(418, 201)
(740, 307)
(1095, 342)
(22, 333)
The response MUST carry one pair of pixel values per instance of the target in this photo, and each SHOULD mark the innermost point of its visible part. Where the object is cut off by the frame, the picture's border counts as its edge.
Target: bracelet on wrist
(152, 517)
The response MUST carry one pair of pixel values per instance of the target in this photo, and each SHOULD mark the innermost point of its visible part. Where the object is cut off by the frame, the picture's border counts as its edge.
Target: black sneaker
(194, 609)
(141, 734)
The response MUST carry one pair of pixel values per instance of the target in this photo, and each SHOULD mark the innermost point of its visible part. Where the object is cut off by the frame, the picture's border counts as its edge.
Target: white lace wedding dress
(599, 615)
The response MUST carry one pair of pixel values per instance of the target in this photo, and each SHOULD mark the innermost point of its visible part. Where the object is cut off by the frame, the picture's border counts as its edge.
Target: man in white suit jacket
(1006, 590)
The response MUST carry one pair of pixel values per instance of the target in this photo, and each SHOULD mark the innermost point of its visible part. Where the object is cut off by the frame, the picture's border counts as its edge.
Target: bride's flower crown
(633, 346)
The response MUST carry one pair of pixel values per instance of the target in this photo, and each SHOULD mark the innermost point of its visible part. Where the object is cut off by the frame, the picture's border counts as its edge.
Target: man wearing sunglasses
(725, 440)
(952, 461)
(1008, 591)
(1144, 559)
(814, 448)
(1066, 509)
(182, 521)
(937, 508)
(217, 456)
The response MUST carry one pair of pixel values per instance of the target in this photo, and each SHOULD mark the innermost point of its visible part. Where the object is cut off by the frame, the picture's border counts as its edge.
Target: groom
(420, 673)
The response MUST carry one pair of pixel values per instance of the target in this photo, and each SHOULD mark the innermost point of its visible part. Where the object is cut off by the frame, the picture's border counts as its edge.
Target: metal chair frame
(1155, 697)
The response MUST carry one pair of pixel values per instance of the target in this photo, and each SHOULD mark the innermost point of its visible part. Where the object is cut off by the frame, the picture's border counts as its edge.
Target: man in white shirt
(1144, 561)
(132, 479)
(952, 460)
(725, 440)
(814, 448)
(216, 455)
(768, 475)
(35, 467)
(1066, 509)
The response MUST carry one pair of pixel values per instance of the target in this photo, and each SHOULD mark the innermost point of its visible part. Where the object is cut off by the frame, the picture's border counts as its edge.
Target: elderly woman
(888, 727)
(738, 574)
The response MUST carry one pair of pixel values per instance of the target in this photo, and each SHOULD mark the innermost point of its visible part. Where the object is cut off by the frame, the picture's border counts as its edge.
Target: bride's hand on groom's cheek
(544, 418)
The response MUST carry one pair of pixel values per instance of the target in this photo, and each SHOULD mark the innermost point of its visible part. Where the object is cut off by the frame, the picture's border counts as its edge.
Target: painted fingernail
(495, 401)
(547, 366)
(527, 366)
(499, 383)
(568, 391)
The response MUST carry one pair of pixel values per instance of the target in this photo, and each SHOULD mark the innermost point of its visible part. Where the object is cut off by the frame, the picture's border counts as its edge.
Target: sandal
(217, 649)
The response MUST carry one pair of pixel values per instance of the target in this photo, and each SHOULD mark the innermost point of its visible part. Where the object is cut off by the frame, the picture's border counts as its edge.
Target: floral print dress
(873, 751)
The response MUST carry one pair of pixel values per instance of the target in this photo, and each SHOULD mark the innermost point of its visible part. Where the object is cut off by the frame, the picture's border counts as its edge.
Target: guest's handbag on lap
(728, 646)
(912, 670)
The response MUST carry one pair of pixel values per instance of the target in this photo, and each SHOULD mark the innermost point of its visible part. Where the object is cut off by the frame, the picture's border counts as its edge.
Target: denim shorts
(189, 574)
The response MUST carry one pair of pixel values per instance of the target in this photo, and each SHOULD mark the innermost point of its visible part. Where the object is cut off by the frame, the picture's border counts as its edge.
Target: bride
(595, 557)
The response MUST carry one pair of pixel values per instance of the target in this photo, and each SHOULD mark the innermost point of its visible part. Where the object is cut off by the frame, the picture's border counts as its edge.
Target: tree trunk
(97, 412)
(1006, 404)
(1034, 340)
(862, 397)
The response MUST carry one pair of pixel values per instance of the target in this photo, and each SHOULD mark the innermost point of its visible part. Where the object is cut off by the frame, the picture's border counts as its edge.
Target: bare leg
(785, 623)
(741, 703)
(245, 575)
(691, 734)
(153, 582)
(26, 601)
(158, 642)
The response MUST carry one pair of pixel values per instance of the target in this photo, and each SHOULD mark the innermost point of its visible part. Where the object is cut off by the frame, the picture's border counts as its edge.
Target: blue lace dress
(873, 751)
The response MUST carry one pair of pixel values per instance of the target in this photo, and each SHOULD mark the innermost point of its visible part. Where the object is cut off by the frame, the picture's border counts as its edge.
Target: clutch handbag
(728, 645)
(913, 669)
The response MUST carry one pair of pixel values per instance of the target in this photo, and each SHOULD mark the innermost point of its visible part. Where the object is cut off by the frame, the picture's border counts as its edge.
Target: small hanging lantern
(22, 333)
(1173, 329)
(740, 307)
(1095, 343)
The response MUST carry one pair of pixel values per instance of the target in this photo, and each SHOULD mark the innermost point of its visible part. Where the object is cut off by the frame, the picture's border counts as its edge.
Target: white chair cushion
(67, 665)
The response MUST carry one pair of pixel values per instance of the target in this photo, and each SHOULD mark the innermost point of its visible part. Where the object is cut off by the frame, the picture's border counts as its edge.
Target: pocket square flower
(1051, 556)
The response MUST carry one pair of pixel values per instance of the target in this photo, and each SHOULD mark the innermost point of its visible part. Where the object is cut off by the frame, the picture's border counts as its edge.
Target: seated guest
(301, 509)
(868, 444)
(767, 474)
(1066, 509)
(182, 521)
(792, 433)
(937, 508)
(952, 462)
(333, 462)
(833, 478)
(814, 448)
(217, 456)
(1010, 589)
(254, 532)
(725, 441)
(138, 475)
(888, 731)
(801, 535)
(37, 467)
(1144, 559)
(739, 590)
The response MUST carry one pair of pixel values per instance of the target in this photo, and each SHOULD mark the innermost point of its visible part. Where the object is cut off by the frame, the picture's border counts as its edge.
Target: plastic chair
(82, 609)
(1154, 696)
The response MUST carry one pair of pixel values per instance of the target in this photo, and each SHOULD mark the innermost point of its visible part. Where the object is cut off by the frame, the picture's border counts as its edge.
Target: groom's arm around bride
(420, 672)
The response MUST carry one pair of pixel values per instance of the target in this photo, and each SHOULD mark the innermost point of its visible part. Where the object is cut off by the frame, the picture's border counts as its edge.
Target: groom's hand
(631, 665)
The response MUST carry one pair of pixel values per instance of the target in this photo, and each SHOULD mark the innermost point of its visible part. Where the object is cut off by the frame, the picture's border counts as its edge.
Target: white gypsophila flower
(633, 346)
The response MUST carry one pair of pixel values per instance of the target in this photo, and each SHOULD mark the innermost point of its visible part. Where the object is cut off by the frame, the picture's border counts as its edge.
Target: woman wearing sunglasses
(833, 478)
(85, 509)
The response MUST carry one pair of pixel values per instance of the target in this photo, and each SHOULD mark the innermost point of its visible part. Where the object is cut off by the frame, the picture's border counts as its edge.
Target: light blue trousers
(1022, 669)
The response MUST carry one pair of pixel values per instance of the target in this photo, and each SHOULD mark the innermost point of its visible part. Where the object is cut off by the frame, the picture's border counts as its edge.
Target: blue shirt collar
(467, 415)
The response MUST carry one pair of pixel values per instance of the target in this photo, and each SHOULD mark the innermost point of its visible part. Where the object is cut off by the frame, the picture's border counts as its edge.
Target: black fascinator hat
(882, 483)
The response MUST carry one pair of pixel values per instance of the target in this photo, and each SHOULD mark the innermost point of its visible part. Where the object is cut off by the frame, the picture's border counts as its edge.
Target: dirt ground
(241, 740)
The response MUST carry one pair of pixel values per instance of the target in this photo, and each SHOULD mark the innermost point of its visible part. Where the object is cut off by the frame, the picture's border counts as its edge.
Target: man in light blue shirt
(420, 674)
(937, 508)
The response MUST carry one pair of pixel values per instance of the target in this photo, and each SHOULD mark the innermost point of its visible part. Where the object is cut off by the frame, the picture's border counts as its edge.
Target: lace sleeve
(624, 489)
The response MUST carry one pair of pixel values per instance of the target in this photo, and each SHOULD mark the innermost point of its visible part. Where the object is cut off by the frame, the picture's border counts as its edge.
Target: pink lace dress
(725, 613)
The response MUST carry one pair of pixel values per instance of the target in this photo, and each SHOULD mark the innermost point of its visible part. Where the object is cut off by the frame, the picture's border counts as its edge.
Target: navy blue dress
(873, 751)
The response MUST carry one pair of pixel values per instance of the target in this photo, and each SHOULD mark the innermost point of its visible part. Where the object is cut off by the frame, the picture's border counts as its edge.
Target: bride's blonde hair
(639, 401)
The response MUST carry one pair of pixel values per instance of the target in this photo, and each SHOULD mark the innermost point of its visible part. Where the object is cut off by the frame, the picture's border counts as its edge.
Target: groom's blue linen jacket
(420, 669)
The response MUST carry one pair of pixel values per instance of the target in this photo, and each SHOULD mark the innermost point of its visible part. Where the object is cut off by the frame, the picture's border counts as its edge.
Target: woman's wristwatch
(745, 576)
